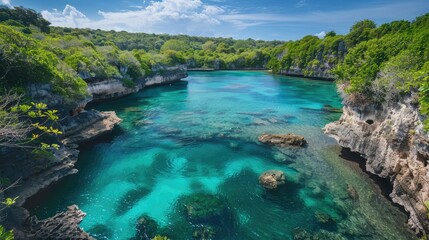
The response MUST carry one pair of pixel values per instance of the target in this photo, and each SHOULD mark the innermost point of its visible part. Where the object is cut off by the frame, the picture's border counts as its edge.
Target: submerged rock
(272, 179)
(324, 219)
(302, 234)
(352, 192)
(204, 233)
(205, 208)
(282, 140)
(101, 231)
(146, 228)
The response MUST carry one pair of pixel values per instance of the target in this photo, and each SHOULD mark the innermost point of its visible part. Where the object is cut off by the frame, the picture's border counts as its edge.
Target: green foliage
(309, 54)
(24, 60)
(175, 45)
(361, 31)
(27, 125)
(8, 202)
(6, 235)
(196, 52)
(389, 62)
(24, 17)
(159, 237)
(128, 83)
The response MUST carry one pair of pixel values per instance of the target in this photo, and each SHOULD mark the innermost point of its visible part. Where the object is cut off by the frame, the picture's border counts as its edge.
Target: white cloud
(171, 16)
(69, 17)
(6, 2)
(195, 17)
(301, 3)
(322, 34)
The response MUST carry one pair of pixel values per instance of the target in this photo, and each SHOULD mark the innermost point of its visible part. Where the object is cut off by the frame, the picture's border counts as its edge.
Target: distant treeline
(382, 63)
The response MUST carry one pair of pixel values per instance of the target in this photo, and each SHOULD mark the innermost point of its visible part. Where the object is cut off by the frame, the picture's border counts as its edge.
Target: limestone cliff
(114, 88)
(166, 75)
(391, 138)
(110, 89)
(323, 71)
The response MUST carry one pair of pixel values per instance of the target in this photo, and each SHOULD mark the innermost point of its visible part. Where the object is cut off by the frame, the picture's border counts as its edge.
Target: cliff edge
(391, 137)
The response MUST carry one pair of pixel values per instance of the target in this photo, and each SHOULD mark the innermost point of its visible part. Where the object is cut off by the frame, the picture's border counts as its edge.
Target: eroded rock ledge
(391, 138)
(77, 129)
(88, 125)
(64, 225)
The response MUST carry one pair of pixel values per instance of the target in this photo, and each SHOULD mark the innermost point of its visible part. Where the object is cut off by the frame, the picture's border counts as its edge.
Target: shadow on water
(383, 184)
(53, 189)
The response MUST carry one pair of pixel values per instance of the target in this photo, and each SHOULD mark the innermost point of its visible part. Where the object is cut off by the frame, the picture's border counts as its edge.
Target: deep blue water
(200, 136)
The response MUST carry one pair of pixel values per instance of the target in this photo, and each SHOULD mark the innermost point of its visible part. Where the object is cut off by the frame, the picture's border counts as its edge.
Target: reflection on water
(187, 159)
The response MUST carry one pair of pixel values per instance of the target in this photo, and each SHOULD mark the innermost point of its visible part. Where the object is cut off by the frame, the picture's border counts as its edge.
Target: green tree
(175, 45)
(361, 31)
(6, 235)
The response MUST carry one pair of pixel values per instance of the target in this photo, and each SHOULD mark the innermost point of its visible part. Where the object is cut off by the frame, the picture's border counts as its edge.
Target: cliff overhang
(391, 138)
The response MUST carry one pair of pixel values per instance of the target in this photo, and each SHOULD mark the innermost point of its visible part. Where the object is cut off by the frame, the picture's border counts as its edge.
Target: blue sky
(258, 19)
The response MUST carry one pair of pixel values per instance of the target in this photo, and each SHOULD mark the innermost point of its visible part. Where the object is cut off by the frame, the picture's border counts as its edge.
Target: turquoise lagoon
(200, 136)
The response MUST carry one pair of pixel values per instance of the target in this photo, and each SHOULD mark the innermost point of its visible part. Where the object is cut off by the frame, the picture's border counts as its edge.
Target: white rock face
(110, 89)
(391, 138)
(114, 88)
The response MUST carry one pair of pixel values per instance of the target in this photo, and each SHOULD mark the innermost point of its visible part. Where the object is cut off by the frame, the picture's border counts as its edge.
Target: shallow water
(200, 136)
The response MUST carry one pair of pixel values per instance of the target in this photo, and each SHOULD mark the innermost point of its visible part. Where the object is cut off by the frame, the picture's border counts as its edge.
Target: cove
(196, 140)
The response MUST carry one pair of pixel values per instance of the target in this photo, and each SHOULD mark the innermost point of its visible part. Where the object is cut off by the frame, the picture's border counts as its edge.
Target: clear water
(200, 136)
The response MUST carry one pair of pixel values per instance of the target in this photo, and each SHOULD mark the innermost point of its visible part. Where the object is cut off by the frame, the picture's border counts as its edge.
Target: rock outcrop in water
(64, 225)
(283, 140)
(391, 138)
(272, 179)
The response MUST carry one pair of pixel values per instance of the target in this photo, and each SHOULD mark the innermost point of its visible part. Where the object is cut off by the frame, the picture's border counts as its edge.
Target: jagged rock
(390, 136)
(283, 140)
(88, 125)
(44, 93)
(63, 225)
(61, 166)
(272, 179)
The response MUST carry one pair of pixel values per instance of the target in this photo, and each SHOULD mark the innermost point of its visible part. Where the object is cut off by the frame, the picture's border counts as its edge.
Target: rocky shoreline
(391, 139)
(63, 225)
(83, 126)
